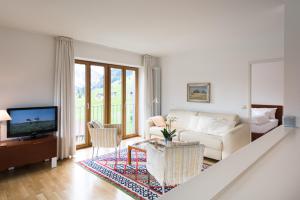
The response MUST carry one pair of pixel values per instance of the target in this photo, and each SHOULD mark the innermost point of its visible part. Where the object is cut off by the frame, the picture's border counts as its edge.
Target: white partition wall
(292, 59)
(267, 82)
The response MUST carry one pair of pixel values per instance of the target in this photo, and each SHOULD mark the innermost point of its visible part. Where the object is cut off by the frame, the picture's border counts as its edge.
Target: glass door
(131, 102)
(116, 95)
(123, 99)
(97, 93)
(80, 104)
(105, 93)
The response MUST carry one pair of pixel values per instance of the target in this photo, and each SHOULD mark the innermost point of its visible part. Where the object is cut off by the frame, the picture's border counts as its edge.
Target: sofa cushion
(204, 123)
(155, 130)
(214, 125)
(211, 141)
(230, 117)
(182, 118)
(193, 123)
(220, 127)
(213, 153)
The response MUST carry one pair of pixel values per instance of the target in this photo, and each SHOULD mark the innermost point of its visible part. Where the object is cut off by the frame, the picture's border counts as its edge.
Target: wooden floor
(67, 181)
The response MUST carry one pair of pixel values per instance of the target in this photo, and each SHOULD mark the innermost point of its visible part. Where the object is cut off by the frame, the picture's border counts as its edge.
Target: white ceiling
(157, 27)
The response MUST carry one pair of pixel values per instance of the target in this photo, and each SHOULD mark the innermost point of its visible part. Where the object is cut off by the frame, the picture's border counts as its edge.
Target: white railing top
(213, 181)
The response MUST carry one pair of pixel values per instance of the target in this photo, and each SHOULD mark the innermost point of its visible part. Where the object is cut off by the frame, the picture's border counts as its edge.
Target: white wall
(26, 69)
(227, 69)
(292, 60)
(267, 83)
(224, 63)
(223, 60)
(27, 66)
(100, 53)
(268, 177)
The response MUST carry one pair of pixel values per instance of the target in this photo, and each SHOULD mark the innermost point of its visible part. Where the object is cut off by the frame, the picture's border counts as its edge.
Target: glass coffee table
(141, 146)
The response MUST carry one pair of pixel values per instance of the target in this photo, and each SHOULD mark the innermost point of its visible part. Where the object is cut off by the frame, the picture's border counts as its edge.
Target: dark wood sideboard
(15, 153)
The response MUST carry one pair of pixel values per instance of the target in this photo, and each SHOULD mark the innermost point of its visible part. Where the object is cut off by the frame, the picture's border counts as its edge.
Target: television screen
(31, 121)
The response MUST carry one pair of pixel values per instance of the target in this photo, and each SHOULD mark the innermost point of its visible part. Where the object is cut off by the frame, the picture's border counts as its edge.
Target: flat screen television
(31, 122)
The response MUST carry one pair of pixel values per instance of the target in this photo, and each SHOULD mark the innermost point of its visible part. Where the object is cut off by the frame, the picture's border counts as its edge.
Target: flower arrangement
(167, 132)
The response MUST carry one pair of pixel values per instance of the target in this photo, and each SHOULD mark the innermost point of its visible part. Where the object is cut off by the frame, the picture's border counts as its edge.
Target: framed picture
(198, 92)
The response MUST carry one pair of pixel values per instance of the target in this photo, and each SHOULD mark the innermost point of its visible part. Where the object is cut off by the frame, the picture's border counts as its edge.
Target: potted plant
(167, 132)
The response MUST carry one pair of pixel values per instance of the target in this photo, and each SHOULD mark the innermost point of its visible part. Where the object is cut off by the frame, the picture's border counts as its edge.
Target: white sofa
(219, 141)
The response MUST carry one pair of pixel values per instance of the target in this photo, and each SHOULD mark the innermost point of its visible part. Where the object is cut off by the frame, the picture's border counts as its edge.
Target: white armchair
(108, 136)
(175, 164)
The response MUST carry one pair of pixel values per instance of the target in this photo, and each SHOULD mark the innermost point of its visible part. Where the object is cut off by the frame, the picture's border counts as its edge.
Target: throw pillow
(260, 119)
(272, 112)
(159, 121)
(268, 112)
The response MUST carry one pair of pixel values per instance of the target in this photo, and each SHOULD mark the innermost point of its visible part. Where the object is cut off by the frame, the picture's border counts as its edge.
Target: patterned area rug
(132, 179)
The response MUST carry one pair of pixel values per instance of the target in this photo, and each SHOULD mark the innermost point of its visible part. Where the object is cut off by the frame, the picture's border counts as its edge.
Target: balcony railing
(97, 113)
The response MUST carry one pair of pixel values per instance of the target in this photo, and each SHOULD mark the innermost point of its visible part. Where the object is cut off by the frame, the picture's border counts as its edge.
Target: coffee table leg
(129, 155)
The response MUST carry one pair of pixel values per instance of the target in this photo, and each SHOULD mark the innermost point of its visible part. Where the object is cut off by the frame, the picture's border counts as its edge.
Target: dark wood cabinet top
(17, 142)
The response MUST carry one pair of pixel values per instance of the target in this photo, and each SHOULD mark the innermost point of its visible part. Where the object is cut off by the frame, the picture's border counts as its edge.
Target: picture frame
(198, 92)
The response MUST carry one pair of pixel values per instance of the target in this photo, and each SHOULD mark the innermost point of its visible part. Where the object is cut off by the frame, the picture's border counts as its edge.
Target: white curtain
(64, 96)
(152, 86)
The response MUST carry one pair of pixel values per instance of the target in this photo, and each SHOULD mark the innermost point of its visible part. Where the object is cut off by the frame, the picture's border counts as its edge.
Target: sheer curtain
(64, 96)
(152, 86)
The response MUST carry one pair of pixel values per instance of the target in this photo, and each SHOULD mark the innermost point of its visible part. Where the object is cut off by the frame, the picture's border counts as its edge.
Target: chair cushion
(158, 121)
(95, 124)
(211, 141)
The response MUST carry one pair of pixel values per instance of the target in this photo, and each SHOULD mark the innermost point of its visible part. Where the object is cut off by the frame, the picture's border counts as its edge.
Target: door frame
(271, 60)
(107, 99)
(250, 64)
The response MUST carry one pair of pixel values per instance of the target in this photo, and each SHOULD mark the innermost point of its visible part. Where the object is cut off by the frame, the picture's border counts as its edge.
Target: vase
(168, 141)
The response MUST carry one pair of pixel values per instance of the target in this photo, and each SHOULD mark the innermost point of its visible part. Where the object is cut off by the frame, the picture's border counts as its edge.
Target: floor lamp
(4, 116)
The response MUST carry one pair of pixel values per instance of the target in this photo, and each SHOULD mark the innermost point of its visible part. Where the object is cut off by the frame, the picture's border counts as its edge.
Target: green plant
(168, 134)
